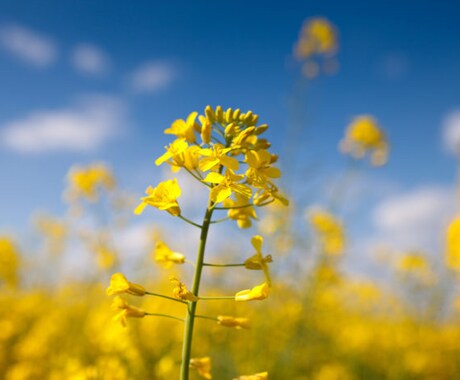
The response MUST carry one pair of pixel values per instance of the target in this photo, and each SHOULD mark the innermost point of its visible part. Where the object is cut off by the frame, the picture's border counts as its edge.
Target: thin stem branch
(223, 265)
(189, 221)
(217, 298)
(164, 315)
(206, 317)
(219, 220)
(163, 296)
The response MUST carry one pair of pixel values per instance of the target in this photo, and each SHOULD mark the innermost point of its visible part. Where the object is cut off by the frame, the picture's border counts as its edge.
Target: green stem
(206, 317)
(189, 221)
(191, 309)
(217, 298)
(220, 220)
(164, 315)
(163, 296)
(222, 265)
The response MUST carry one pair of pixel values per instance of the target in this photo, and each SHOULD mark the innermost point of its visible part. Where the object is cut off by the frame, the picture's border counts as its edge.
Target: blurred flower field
(307, 318)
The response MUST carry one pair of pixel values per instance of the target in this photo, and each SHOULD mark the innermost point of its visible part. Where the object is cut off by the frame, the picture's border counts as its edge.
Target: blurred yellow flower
(119, 284)
(203, 366)
(363, 136)
(166, 256)
(181, 292)
(85, 181)
(318, 36)
(9, 262)
(238, 323)
(259, 292)
(257, 376)
(237, 210)
(258, 261)
(127, 311)
(163, 197)
(329, 230)
(452, 255)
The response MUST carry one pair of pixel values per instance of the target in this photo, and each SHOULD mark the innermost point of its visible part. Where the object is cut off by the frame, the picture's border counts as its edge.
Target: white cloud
(82, 127)
(28, 45)
(90, 59)
(152, 77)
(415, 219)
(451, 132)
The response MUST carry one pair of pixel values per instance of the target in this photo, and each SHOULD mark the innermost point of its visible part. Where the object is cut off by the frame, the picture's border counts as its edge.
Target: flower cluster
(85, 182)
(329, 231)
(364, 136)
(225, 151)
(318, 39)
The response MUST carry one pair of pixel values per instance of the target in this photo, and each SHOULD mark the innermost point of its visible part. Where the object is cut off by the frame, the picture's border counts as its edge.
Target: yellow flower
(329, 230)
(119, 284)
(127, 311)
(258, 261)
(238, 212)
(181, 292)
(452, 256)
(206, 129)
(412, 261)
(257, 376)
(163, 197)
(85, 181)
(184, 128)
(238, 323)
(268, 194)
(318, 36)
(259, 170)
(215, 157)
(259, 292)
(9, 262)
(226, 185)
(203, 366)
(176, 148)
(363, 136)
(166, 257)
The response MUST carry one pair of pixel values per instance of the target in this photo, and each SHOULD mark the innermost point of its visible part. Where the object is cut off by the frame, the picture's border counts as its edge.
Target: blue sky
(126, 71)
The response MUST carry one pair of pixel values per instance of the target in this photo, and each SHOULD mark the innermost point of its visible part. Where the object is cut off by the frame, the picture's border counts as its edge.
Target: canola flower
(202, 366)
(452, 253)
(364, 136)
(9, 262)
(126, 310)
(234, 163)
(317, 41)
(329, 230)
(119, 285)
(85, 181)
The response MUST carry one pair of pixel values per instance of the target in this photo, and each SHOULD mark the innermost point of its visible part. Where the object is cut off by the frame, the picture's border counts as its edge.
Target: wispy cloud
(28, 45)
(152, 77)
(414, 219)
(451, 132)
(85, 126)
(90, 59)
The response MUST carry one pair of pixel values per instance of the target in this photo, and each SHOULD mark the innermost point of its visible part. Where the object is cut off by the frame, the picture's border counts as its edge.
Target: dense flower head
(163, 197)
(364, 136)
(203, 366)
(86, 181)
(317, 40)
(232, 159)
(329, 231)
